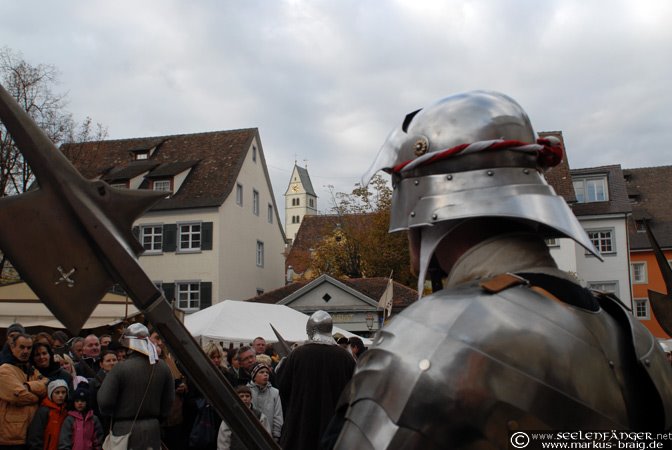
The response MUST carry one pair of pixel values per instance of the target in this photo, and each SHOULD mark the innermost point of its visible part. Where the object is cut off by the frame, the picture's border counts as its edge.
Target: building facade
(652, 207)
(216, 235)
(598, 197)
(352, 302)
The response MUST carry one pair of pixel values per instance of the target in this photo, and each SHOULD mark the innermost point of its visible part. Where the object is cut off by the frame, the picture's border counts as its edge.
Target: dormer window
(591, 189)
(119, 185)
(640, 225)
(162, 185)
(143, 153)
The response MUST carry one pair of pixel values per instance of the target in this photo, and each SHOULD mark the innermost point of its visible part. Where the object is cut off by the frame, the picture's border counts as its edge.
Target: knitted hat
(81, 393)
(256, 368)
(15, 328)
(53, 385)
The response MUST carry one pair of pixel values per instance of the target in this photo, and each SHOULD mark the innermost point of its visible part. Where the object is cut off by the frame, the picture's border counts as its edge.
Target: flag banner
(385, 302)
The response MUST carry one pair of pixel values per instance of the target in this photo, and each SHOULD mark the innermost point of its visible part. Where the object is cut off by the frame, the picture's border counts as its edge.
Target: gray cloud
(326, 80)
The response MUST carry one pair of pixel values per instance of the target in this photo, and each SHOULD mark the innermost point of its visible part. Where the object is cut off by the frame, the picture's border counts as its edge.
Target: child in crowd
(266, 398)
(82, 429)
(44, 430)
(228, 441)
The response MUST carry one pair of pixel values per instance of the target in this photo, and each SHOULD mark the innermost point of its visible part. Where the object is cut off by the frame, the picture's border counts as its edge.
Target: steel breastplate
(463, 368)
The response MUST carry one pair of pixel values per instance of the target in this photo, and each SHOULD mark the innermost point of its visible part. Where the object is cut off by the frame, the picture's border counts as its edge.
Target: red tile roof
(216, 158)
(651, 200)
(559, 177)
(373, 288)
(618, 202)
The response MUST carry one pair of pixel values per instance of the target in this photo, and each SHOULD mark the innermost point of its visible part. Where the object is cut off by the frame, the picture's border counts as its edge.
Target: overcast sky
(326, 80)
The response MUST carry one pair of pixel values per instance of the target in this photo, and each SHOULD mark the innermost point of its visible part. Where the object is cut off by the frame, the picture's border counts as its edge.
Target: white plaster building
(603, 208)
(598, 197)
(217, 234)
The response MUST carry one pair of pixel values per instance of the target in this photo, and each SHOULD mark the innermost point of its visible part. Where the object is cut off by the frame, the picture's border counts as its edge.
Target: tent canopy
(18, 303)
(236, 322)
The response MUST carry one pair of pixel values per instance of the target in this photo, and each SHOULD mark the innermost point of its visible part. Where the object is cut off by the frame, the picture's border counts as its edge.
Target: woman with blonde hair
(216, 355)
(68, 365)
(265, 359)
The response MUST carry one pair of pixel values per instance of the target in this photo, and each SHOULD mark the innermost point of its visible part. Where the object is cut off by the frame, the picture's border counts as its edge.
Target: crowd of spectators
(49, 385)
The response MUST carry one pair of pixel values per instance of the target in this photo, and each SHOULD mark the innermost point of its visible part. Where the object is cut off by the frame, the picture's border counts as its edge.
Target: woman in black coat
(42, 358)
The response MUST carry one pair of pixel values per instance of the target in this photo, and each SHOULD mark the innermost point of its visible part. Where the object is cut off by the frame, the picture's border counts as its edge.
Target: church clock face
(295, 187)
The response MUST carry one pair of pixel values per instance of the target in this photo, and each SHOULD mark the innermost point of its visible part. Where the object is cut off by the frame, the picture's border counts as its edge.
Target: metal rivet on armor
(526, 171)
(413, 214)
(434, 217)
(449, 177)
(490, 173)
(416, 182)
(611, 364)
(421, 147)
(647, 362)
(424, 365)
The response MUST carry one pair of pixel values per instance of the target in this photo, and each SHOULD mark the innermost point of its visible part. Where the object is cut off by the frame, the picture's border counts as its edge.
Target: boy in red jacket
(45, 428)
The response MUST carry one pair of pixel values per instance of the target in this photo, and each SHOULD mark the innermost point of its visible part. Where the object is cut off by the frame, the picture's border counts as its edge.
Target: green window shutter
(206, 294)
(206, 238)
(169, 291)
(170, 237)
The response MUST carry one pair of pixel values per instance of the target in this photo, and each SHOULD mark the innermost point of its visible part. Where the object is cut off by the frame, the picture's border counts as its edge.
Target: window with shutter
(170, 237)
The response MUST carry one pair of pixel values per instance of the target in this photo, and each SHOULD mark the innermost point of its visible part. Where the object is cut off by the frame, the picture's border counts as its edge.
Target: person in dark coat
(42, 357)
(58, 345)
(108, 359)
(141, 386)
(6, 353)
(247, 359)
(310, 381)
(89, 363)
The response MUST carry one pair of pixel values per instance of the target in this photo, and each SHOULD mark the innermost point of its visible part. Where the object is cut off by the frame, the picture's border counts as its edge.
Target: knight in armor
(310, 381)
(507, 341)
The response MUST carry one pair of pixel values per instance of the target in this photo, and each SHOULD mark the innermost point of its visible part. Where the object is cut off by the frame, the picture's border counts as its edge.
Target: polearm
(661, 303)
(285, 349)
(71, 241)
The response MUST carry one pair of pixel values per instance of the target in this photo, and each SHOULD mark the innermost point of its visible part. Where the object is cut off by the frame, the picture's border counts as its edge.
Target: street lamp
(369, 321)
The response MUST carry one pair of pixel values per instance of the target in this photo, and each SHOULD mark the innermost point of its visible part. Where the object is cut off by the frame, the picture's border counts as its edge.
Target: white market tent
(239, 322)
(18, 303)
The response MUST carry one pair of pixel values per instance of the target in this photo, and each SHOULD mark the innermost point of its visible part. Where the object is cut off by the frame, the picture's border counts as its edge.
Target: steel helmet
(319, 327)
(469, 155)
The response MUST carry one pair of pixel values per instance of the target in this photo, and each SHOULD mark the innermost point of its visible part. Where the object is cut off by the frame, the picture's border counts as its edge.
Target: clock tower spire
(300, 200)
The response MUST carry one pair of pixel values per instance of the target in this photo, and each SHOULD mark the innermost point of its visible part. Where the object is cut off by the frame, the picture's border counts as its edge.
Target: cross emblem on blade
(65, 276)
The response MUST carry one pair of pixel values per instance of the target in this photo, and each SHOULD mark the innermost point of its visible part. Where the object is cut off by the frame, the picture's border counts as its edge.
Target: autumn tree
(32, 87)
(359, 245)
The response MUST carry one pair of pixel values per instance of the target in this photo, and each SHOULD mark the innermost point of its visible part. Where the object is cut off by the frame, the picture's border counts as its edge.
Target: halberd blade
(44, 234)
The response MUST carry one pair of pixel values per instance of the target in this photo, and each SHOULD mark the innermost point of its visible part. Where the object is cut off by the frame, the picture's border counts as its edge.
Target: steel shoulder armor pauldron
(464, 367)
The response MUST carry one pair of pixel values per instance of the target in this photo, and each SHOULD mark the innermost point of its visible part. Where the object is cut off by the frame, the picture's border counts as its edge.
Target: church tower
(300, 200)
